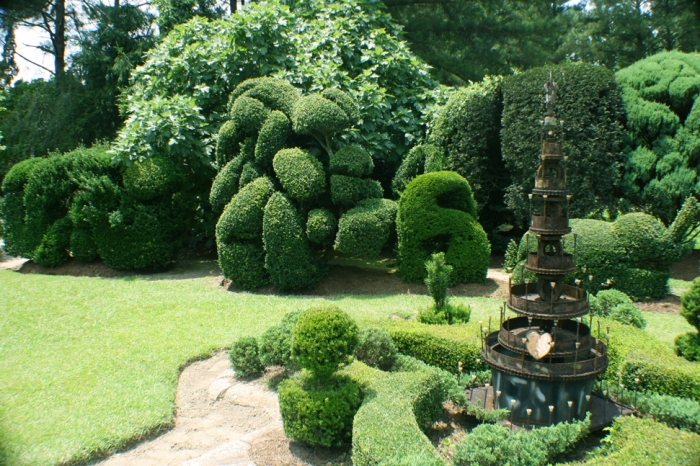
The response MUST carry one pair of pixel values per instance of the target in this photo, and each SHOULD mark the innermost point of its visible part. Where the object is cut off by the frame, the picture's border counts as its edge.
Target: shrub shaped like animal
(286, 192)
(633, 254)
(318, 405)
(437, 213)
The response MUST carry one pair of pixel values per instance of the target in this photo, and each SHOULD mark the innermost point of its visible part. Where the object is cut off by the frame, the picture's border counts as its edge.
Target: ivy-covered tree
(284, 193)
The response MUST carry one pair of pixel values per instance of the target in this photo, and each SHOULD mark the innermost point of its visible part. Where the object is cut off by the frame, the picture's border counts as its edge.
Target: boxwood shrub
(288, 258)
(301, 174)
(416, 163)
(154, 177)
(225, 184)
(437, 213)
(365, 229)
(53, 249)
(351, 161)
(248, 115)
(321, 226)
(272, 138)
(244, 263)
(348, 190)
(243, 216)
(245, 357)
(376, 348)
(227, 143)
(276, 342)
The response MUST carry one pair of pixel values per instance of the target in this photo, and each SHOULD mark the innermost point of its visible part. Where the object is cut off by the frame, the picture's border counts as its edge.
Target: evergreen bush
(227, 143)
(321, 226)
(415, 164)
(366, 228)
(245, 358)
(248, 115)
(225, 184)
(301, 174)
(319, 415)
(606, 300)
(53, 249)
(438, 279)
(348, 190)
(437, 213)
(688, 344)
(276, 342)
(154, 177)
(244, 263)
(628, 313)
(351, 161)
(322, 339)
(376, 348)
(272, 138)
(242, 218)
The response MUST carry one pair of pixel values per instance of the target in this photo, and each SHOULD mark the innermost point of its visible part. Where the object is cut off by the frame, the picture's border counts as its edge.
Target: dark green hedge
(467, 130)
(288, 258)
(228, 143)
(445, 353)
(53, 249)
(275, 94)
(591, 106)
(248, 115)
(272, 138)
(321, 226)
(243, 216)
(243, 262)
(154, 177)
(365, 229)
(437, 213)
(251, 172)
(18, 175)
(345, 102)
(348, 191)
(225, 185)
(314, 114)
(300, 173)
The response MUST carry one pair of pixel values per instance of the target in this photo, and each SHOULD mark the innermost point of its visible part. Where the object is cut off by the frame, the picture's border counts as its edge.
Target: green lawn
(86, 364)
(89, 364)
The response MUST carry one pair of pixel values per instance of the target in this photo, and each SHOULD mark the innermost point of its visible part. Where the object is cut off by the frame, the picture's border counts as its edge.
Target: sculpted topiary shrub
(437, 213)
(688, 344)
(321, 192)
(318, 405)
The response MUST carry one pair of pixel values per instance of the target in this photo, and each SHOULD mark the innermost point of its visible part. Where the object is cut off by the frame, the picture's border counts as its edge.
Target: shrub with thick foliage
(376, 348)
(366, 228)
(688, 344)
(494, 444)
(154, 177)
(319, 415)
(663, 117)
(288, 257)
(606, 300)
(636, 441)
(245, 357)
(276, 342)
(447, 315)
(423, 158)
(302, 213)
(301, 174)
(437, 213)
(591, 106)
(673, 411)
(322, 339)
(628, 314)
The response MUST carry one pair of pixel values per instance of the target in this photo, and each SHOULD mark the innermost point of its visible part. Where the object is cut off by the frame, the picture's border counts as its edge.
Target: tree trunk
(59, 41)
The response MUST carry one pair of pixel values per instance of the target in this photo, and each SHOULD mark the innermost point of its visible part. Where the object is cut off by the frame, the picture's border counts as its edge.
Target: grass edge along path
(90, 365)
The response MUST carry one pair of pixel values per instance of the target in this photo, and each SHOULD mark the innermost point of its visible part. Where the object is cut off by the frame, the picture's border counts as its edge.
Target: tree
(174, 12)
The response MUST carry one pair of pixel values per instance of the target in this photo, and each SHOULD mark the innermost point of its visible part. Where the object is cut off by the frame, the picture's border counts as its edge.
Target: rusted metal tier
(550, 226)
(524, 300)
(550, 265)
(564, 335)
(499, 357)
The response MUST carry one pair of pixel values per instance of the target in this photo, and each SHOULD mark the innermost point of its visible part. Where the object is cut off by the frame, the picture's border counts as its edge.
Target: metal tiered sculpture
(545, 362)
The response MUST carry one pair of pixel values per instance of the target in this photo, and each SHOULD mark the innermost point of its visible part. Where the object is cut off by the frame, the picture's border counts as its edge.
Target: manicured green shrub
(319, 415)
(322, 339)
(628, 314)
(415, 164)
(154, 177)
(437, 213)
(636, 441)
(301, 174)
(53, 249)
(494, 444)
(272, 138)
(351, 161)
(227, 143)
(591, 106)
(250, 172)
(690, 304)
(660, 95)
(606, 300)
(511, 258)
(82, 245)
(438, 279)
(288, 258)
(226, 183)
(319, 117)
(321, 226)
(276, 342)
(467, 131)
(408, 400)
(376, 348)
(366, 229)
(243, 216)
(12, 213)
(644, 238)
(244, 263)
(275, 94)
(345, 102)
(348, 191)
(673, 411)
(245, 357)
(421, 343)
(18, 175)
(688, 346)
(248, 115)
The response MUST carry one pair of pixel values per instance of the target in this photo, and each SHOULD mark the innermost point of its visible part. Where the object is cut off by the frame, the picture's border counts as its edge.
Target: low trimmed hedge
(397, 406)
(643, 442)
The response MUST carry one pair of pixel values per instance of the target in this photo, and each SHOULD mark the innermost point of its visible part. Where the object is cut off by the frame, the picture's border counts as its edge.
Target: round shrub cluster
(245, 357)
(279, 238)
(276, 342)
(322, 339)
(627, 313)
(154, 177)
(606, 300)
(688, 344)
(424, 158)
(376, 348)
(437, 213)
(319, 416)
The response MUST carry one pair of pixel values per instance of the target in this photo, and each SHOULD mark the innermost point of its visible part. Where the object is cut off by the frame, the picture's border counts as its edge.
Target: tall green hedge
(590, 103)
(663, 117)
(437, 213)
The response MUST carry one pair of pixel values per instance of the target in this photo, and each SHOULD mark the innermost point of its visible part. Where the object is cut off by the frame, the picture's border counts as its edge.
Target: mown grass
(666, 327)
(89, 364)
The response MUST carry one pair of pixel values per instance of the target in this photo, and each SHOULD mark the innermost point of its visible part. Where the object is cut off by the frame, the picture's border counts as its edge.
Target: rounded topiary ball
(245, 357)
(319, 415)
(376, 348)
(322, 339)
(154, 177)
(690, 301)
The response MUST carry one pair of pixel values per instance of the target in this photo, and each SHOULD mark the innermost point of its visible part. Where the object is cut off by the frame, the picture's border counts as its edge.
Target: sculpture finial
(550, 90)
